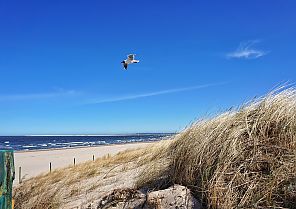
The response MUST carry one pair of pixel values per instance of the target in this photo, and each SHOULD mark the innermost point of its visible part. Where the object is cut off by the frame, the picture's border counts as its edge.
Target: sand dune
(243, 158)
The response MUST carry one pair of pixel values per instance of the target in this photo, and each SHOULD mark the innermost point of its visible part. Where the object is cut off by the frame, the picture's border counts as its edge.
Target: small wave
(101, 142)
(76, 142)
(121, 141)
(7, 142)
(29, 146)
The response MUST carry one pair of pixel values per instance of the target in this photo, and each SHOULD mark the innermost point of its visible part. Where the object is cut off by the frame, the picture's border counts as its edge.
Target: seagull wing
(131, 56)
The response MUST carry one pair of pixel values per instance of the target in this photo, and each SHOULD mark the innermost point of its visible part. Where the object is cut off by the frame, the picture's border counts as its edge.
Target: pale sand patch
(34, 163)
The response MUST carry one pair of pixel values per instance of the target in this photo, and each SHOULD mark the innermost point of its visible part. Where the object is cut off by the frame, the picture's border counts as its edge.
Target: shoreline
(80, 147)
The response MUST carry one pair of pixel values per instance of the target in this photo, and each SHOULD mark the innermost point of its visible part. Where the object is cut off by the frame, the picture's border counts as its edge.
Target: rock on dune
(174, 197)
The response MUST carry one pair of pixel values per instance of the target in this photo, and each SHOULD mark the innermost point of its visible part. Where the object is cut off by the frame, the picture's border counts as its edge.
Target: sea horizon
(42, 142)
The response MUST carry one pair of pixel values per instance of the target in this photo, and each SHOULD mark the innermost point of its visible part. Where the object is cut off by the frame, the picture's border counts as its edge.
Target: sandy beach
(33, 163)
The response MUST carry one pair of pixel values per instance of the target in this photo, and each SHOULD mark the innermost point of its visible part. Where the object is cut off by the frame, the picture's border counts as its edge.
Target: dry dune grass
(86, 182)
(63, 186)
(240, 159)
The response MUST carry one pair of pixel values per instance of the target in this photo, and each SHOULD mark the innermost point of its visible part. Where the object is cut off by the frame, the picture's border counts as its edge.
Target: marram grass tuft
(240, 159)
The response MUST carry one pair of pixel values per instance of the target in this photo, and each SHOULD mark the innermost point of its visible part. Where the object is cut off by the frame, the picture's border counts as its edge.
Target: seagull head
(123, 61)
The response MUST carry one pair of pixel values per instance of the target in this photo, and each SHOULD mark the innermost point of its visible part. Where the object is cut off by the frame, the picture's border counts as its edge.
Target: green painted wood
(7, 174)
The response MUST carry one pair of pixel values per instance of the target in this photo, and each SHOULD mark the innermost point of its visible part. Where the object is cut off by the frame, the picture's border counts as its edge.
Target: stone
(176, 196)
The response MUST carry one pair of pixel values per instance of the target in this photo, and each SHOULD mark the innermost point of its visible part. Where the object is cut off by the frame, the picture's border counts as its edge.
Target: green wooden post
(7, 174)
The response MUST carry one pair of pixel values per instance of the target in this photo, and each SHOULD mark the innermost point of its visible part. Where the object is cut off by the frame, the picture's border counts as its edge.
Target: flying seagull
(130, 60)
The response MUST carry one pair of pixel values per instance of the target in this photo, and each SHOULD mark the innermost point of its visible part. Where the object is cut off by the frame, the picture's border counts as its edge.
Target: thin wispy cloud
(59, 93)
(247, 50)
(156, 93)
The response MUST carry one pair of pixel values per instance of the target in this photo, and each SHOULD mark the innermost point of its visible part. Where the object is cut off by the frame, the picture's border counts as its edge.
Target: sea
(41, 142)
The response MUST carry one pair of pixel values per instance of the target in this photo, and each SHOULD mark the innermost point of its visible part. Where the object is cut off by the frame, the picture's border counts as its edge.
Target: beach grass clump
(240, 159)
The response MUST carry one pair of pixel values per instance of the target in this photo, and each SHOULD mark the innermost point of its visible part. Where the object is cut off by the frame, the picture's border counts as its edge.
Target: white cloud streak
(38, 96)
(246, 50)
(156, 93)
(61, 94)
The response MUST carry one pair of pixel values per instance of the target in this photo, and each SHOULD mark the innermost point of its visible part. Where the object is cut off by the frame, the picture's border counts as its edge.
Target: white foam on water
(29, 146)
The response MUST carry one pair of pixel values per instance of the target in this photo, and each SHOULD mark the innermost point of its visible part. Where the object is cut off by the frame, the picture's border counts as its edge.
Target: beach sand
(33, 163)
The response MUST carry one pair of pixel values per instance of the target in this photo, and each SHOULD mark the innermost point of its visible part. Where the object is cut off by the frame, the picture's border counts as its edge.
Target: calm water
(49, 142)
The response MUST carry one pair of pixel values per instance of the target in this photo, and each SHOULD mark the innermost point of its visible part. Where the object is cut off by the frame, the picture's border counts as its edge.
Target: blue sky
(61, 72)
